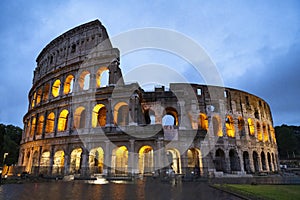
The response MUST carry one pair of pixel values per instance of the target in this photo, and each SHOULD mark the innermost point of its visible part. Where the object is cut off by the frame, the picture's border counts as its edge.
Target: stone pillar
(84, 165)
(70, 121)
(109, 114)
(56, 121)
(66, 164)
(50, 167)
(184, 163)
(132, 161)
(44, 125)
(107, 158)
(240, 154)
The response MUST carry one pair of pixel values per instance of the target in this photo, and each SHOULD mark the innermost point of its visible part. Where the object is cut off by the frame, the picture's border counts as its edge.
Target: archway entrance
(220, 161)
(120, 160)
(75, 162)
(194, 161)
(146, 160)
(255, 161)
(58, 162)
(246, 162)
(234, 161)
(96, 159)
(173, 159)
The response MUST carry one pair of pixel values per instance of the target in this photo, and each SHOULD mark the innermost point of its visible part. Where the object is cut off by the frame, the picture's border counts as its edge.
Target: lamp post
(5, 154)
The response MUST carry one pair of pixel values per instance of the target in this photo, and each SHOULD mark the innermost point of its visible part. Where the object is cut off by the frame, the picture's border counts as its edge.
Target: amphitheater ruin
(84, 119)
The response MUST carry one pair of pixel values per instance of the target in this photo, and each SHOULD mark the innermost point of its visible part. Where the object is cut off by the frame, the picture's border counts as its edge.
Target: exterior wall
(232, 131)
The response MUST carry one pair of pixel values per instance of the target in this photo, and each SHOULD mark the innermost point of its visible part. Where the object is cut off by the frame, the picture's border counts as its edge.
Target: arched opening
(203, 122)
(50, 123)
(96, 160)
(259, 133)
(75, 161)
(102, 77)
(217, 127)
(40, 125)
(63, 120)
(251, 127)
(33, 100)
(235, 164)
(173, 160)
(79, 117)
(149, 116)
(246, 160)
(33, 125)
(46, 92)
(39, 96)
(84, 80)
(120, 160)
(68, 85)
(269, 162)
(171, 117)
(56, 88)
(121, 114)
(45, 162)
(263, 161)
(229, 126)
(35, 163)
(220, 161)
(265, 134)
(146, 164)
(194, 161)
(99, 116)
(241, 126)
(58, 162)
(255, 161)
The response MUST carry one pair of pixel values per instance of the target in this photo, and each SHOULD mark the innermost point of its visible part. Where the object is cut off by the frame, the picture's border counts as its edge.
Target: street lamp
(5, 154)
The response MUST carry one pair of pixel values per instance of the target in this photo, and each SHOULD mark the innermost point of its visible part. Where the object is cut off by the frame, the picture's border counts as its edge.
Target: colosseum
(83, 119)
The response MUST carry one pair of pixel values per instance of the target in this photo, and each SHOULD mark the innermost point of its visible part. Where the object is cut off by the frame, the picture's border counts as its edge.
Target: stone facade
(83, 119)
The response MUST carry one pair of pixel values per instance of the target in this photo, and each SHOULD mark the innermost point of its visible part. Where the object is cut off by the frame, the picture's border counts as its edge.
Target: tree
(287, 141)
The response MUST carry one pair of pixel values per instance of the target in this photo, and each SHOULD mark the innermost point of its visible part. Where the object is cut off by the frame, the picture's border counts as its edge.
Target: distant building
(77, 122)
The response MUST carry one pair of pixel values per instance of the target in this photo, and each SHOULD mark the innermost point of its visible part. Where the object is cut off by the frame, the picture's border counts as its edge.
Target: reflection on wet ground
(141, 189)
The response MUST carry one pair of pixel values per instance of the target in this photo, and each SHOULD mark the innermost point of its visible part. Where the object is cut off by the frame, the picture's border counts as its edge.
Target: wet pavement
(152, 189)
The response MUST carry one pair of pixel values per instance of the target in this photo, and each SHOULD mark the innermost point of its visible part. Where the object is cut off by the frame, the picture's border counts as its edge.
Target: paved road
(150, 189)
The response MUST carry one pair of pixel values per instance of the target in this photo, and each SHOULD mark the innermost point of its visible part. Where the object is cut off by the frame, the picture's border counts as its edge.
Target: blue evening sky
(254, 44)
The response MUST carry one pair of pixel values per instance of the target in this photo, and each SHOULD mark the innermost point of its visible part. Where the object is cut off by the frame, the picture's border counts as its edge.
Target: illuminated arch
(229, 126)
(84, 80)
(45, 159)
(241, 125)
(56, 88)
(68, 85)
(75, 160)
(96, 160)
(40, 125)
(121, 114)
(79, 117)
(173, 158)
(33, 126)
(195, 161)
(203, 121)
(146, 164)
(63, 120)
(251, 127)
(259, 133)
(265, 133)
(33, 100)
(102, 77)
(39, 96)
(99, 115)
(58, 162)
(50, 123)
(217, 126)
(120, 160)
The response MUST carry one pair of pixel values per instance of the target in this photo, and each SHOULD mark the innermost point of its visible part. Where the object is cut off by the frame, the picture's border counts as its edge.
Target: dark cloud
(278, 83)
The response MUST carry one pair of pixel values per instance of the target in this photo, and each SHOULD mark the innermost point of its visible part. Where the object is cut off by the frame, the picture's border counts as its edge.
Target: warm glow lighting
(62, 120)
(56, 88)
(95, 116)
(251, 127)
(68, 85)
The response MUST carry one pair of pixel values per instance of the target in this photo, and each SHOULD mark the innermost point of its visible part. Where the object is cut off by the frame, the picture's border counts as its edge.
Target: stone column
(132, 166)
(107, 158)
(66, 164)
(56, 121)
(84, 164)
(50, 167)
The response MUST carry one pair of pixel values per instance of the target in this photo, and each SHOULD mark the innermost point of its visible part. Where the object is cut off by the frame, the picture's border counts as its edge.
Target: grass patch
(281, 192)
